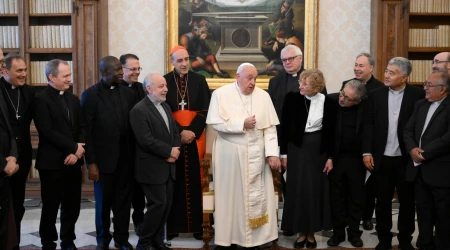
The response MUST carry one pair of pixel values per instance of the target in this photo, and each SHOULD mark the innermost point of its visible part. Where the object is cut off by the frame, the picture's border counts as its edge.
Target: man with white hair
(244, 152)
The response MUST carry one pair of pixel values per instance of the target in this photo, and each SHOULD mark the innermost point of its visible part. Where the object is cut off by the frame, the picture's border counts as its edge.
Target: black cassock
(193, 93)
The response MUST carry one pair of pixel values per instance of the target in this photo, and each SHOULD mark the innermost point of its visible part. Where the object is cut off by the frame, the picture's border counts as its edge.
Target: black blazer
(294, 117)
(377, 121)
(58, 135)
(102, 126)
(8, 146)
(435, 142)
(371, 85)
(362, 109)
(138, 88)
(154, 142)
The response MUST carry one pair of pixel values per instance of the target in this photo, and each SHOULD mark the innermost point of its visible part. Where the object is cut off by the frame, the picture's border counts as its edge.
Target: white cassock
(245, 204)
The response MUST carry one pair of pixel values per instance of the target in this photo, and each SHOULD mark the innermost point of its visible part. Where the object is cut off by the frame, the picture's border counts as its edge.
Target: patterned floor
(85, 231)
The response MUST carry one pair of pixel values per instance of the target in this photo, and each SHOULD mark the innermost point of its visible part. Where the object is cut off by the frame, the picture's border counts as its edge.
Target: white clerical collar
(13, 87)
(130, 85)
(294, 75)
(61, 92)
(112, 87)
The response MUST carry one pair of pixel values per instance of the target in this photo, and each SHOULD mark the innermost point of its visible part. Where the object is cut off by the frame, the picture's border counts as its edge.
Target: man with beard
(18, 97)
(441, 62)
(188, 97)
(347, 177)
(131, 71)
(109, 150)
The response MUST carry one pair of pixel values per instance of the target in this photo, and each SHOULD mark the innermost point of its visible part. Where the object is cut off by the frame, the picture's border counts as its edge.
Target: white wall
(138, 26)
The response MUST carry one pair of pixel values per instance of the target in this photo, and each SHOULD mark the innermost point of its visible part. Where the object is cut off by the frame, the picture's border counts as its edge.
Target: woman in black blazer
(307, 141)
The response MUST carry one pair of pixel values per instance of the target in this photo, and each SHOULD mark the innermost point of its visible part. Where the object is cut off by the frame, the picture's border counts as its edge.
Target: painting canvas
(221, 34)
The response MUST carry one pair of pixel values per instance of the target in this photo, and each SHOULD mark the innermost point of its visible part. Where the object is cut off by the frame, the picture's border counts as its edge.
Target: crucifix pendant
(182, 104)
(17, 115)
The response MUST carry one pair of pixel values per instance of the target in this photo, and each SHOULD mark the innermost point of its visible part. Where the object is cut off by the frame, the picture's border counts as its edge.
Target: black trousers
(8, 238)
(138, 203)
(371, 193)
(59, 187)
(117, 188)
(18, 182)
(390, 177)
(433, 206)
(347, 195)
(159, 201)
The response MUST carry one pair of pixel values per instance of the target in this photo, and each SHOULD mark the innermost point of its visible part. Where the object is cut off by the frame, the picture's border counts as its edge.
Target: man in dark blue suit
(157, 149)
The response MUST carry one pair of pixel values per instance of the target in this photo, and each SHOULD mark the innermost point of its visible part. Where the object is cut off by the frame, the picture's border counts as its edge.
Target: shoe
(171, 236)
(223, 74)
(142, 247)
(288, 233)
(311, 244)
(102, 246)
(356, 242)
(125, 246)
(73, 247)
(383, 246)
(406, 246)
(300, 244)
(367, 225)
(334, 241)
(198, 236)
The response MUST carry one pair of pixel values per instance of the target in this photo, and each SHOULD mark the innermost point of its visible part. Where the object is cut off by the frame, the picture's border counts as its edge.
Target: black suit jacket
(138, 88)
(435, 143)
(8, 146)
(371, 85)
(154, 142)
(362, 109)
(377, 121)
(58, 135)
(294, 118)
(22, 128)
(102, 126)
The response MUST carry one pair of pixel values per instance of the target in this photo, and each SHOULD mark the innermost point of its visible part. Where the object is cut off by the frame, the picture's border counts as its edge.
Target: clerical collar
(125, 83)
(155, 102)
(296, 74)
(179, 74)
(109, 86)
(8, 85)
(59, 92)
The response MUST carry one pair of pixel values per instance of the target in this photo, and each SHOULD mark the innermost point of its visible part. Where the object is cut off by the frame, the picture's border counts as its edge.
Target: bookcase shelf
(9, 15)
(52, 15)
(48, 50)
(11, 50)
(428, 49)
(426, 14)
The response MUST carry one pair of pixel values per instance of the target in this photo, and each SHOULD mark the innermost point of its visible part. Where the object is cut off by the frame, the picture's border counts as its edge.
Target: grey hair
(403, 64)
(444, 79)
(359, 88)
(52, 67)
(369, 58)
(9, 58)
(242, 66)
(148, 81)
(297, 50)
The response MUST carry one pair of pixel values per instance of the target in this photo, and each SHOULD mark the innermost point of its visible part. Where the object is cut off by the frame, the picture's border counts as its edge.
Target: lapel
(384, 108)
(441, 107)
(421, 117)
(107, 101)
(4, 110)
(156, 113)
(405, 103)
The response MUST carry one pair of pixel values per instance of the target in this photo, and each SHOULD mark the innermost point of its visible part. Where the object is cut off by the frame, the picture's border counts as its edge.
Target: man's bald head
(111, 70)
(441, 62)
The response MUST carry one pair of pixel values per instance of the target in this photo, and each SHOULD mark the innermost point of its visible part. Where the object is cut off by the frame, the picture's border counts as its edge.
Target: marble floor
(85, 230)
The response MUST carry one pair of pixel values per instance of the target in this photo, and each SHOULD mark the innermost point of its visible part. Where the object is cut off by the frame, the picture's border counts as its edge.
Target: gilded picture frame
(310, 44)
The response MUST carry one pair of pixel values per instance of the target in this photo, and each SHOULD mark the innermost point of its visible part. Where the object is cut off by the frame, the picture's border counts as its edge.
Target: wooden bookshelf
(50, 51)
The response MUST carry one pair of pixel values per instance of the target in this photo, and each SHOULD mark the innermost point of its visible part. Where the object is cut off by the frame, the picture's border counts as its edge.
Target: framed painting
(221, 34)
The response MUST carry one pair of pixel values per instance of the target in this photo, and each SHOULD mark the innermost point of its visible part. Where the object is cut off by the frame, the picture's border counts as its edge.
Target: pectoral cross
(182, 104)
(17, 115)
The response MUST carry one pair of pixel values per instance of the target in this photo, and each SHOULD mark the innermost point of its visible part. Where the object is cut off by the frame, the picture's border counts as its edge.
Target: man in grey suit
(157, 148)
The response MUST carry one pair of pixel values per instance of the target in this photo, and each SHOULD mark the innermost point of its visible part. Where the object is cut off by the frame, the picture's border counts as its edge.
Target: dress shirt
(394, 106)
(315, 113)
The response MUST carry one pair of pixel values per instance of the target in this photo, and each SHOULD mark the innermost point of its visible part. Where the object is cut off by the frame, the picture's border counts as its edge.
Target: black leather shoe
(102, 246)
(198, 236)
(367, 225)
(300, 244)
(334, 241)
(125, 246)
(72, 247)
(383, 246)
(142, 247)
(288, 233)
(406, 246)
(311, 244)
(356, 242)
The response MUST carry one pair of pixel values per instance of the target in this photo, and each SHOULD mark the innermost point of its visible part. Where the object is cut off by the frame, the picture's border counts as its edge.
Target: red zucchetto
(176, 48)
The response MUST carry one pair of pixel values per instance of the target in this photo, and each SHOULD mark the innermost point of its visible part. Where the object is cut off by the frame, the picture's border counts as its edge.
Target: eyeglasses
(437, 61)
(133, 69)
(289, 59)
(429, 85)
(303, 83)
(346, 98)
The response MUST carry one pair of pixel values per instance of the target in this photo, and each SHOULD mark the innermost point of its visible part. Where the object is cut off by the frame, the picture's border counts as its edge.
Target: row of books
(421, 69)
(9, 37)
(430, 6)
(439, 37)
(37, 71)
(54, 36)
(50, 6)
(9, 6)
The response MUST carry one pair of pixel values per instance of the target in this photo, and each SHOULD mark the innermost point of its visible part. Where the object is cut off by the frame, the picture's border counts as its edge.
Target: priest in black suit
(131, 71)
(18, 97)
(8, 167)
(58, 119)
(157, 148)
(188, 97)
(384, 151)
(363, 69)
(427, 139)
(348, 175)
(109, 149)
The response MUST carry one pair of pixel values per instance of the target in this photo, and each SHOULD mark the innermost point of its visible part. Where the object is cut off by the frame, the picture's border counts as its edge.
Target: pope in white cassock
(244, 152)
